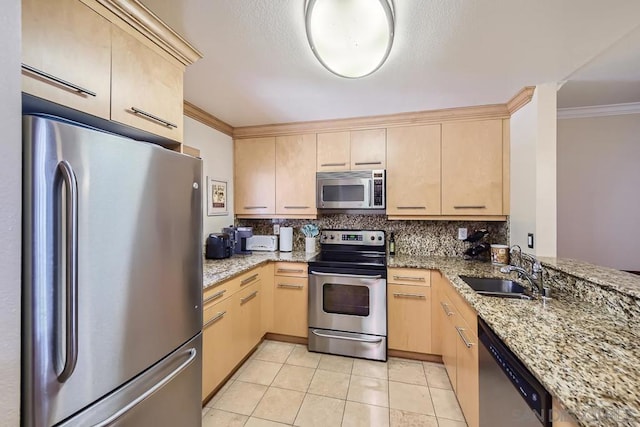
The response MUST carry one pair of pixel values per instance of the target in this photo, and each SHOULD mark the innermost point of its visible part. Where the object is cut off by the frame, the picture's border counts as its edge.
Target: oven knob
(332, 237)
(324, 237)
(373, 237)
(379, 237)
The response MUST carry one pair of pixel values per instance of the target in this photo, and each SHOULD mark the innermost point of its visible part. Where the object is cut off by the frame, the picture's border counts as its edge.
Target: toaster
(218, 246)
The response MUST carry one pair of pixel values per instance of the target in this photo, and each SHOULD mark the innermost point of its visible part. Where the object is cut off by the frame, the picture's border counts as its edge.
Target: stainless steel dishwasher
(509, 394)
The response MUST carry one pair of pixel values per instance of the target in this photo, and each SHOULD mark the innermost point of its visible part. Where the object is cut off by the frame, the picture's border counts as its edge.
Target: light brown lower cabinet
(560, 417)
(409, 314)
(290, 306)
(217, 340)
(459, 346)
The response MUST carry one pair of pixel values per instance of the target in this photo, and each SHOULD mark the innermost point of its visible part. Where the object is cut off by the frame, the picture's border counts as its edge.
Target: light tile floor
(284, 384)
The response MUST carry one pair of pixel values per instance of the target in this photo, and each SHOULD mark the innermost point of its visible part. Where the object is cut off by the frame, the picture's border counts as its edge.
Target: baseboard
(415, 356)
(286, 338)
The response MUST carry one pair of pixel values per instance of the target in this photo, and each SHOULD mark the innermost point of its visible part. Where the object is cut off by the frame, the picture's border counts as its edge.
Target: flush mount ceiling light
(351, 38)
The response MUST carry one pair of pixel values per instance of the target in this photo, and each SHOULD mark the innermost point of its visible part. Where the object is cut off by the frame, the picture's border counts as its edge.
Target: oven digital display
(352, 237)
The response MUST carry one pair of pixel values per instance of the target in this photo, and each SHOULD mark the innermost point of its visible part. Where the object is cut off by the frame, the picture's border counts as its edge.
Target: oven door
(348, 302)
(344, 193)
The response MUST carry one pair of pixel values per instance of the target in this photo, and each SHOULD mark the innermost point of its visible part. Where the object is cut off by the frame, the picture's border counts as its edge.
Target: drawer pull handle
(333, 164)
(409, 278)
(290, 270)
(470, 207)
(463, 336)
(248, 279)
(248, 298)
(214, 296)
(255, 207)
(411, 207)
(215, 319)
(445, 307)
(58, 80)
(367, 163)
(296, 207)
(287, 286)
(153, 117)
(402, 295)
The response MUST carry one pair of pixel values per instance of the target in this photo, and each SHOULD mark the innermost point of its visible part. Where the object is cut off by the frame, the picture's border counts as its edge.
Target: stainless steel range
(348, 295)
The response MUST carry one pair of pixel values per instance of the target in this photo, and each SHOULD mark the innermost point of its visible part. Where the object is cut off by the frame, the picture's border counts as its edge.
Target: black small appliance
(218, 246)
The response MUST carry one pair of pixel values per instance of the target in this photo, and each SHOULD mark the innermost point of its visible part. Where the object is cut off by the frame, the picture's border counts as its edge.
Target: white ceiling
(258, 67)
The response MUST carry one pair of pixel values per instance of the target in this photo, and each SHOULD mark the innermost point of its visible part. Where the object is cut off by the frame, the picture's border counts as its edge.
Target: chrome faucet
(535, 277)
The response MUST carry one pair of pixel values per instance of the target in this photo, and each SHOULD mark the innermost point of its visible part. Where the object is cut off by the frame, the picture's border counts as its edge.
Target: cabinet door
(296, 175)
(217, 340)
(472, 168)
(266, 285)
(68, 41)
(409, 312)
(247, 327)
(333, 152)
(413, 170)
(467, 374)
(368, 149)
(146, 89)
(449, 340)
(290, 308)
(255, 176)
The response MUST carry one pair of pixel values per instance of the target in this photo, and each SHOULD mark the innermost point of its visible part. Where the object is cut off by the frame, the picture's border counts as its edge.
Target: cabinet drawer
(229, 287)
(290, 306)
(66, 47)
(217, 339)
(294, 269)
(461, 307)
(409, 318)
(409, 276)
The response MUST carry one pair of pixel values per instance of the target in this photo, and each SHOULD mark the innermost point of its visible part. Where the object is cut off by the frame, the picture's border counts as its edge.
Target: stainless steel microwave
(363, 189)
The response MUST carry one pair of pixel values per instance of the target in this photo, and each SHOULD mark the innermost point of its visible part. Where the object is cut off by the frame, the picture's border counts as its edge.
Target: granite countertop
(216, 271)
(585, 356)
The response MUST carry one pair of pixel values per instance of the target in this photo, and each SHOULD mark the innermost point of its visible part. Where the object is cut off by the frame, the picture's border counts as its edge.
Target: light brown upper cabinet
(413, 170)
(255, 176)
(295, 175)
(351, 150)
(334, 152)
(66, 55)
(472, 162)
(146, 90)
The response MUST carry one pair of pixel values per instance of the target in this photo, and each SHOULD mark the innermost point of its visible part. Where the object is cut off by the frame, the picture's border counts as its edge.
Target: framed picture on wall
(216, 197)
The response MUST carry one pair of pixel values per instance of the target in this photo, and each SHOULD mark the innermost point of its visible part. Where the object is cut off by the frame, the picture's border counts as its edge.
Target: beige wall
(216, 150)
(599, 190)
(10, 213)
(533, 172)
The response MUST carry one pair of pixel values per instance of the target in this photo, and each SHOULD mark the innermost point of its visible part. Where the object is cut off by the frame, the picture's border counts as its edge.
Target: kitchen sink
(495, 287)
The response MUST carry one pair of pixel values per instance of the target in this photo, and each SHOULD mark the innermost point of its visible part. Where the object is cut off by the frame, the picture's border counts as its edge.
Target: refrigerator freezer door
(112, 271)
(164, 396)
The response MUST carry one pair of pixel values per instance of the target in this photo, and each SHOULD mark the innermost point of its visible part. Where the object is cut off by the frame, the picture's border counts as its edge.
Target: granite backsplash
(420, 238)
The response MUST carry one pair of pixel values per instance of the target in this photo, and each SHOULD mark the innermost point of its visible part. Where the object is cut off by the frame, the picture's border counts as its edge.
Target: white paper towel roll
(286, 239)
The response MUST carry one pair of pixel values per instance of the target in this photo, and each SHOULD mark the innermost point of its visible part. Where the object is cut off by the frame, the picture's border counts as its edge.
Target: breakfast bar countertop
(215, 271)
(586, 355)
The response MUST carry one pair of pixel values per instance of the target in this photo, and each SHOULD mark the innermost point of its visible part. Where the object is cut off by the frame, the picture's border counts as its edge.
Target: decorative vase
(309, 244)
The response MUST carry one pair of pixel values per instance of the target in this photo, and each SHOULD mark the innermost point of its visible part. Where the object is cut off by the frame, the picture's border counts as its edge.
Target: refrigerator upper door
(112, 271)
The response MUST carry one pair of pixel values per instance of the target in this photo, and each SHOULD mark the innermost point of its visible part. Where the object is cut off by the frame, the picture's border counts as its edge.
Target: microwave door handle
(368, 193)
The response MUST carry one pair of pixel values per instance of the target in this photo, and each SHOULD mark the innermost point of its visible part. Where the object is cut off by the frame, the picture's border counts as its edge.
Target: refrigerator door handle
(192, 355)
(71, 271)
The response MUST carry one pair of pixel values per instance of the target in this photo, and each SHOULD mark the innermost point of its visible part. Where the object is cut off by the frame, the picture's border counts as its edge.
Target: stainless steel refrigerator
(112, 280)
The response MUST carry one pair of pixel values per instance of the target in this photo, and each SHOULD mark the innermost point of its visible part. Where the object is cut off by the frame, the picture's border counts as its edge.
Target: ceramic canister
(500, 254)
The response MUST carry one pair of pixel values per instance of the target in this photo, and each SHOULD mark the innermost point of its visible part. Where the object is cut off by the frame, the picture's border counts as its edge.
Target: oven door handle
(367, 340)
(355, 276)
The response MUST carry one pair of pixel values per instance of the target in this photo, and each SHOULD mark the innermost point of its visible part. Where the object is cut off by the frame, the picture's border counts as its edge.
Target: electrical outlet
(462, 233)
(276, 229)
(530, 240)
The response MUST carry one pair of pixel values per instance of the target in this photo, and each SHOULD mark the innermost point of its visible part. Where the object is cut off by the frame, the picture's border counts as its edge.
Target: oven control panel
(352, 237)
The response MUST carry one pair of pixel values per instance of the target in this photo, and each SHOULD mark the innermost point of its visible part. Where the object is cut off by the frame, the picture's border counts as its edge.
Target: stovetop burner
(351, 249)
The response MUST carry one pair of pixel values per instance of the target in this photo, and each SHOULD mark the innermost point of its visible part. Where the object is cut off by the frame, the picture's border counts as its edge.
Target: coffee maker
(239, 236)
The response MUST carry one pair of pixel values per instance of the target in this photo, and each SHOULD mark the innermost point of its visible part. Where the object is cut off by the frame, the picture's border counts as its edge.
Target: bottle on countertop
(392, 245)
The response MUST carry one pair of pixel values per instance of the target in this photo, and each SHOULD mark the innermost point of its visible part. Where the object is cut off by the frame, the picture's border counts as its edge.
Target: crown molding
(496, 111)
(203, 117)
(599, 110)
(148, 24)
(520, 99)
